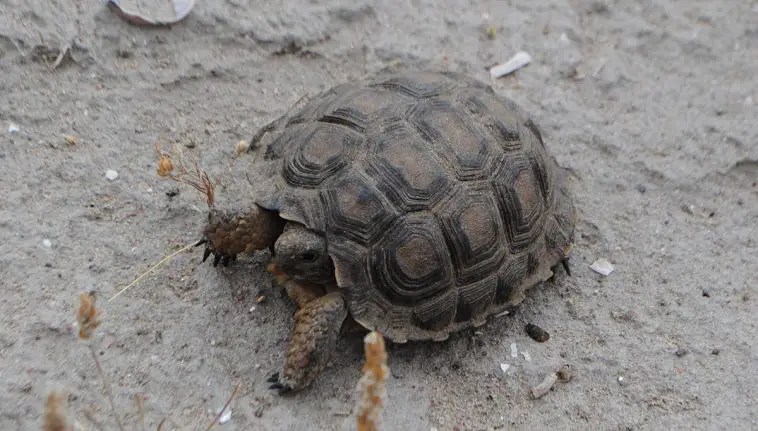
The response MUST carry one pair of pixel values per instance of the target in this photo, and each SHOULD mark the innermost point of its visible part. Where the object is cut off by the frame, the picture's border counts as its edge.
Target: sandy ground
(651, 104)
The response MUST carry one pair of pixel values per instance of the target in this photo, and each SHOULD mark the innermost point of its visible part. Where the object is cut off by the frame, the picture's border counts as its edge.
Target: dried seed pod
(537, 333)
(87, 316)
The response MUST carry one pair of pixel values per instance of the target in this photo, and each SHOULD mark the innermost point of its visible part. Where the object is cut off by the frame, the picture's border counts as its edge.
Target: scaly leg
(313, 340)
(229, 233)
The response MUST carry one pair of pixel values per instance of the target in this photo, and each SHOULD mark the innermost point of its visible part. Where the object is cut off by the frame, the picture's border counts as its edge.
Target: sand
(651, 105)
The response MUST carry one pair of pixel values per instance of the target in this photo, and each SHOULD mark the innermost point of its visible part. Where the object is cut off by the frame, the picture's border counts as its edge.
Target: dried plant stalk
(196, 178)
(55, 413)
(371, 385)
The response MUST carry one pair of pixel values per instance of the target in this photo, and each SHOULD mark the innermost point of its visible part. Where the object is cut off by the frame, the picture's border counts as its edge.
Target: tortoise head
(300, 253)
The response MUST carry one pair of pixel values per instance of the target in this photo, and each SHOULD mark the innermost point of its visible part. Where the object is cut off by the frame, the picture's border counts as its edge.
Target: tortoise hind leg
(229, 233)
(312, 343)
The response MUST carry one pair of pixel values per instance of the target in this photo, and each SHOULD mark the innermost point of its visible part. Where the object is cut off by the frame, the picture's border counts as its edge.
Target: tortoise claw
(216, 259)
(206, 253)
(201, 242)
(565, 263)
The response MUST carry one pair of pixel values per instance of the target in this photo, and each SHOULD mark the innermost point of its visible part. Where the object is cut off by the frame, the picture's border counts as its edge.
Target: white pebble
(225, 417)
(47, 243)
(13, 128)
(111, 174)
(519, 60)
(621, 379)
(602, 266)
(504, 367)
(514, 350)
(526, 355)
(252, 309)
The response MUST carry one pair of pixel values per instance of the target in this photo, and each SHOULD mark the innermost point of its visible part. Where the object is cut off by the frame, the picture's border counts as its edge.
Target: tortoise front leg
(229, 233)
(312, 343)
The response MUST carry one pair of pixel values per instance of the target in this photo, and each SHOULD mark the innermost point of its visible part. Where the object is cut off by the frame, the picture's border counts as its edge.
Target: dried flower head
(165, 165)
(55, 413)
(87, 316)
(371, 384)
(196, 178)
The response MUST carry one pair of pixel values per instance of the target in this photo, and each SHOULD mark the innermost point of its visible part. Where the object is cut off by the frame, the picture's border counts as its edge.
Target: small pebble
(537, 333)
(241, 147)
(602, 267)
(681, 352)
(564, 374)
(504, 367)
(715, 351)
(13, 128)
(225, 417)
(111, 175)
(252, 309)
(706, 293)
(641, 188)
(526, 355)
(47, 243)
(514, 350)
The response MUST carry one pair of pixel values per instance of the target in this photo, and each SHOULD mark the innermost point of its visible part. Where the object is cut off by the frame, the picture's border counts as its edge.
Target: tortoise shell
(438, 200)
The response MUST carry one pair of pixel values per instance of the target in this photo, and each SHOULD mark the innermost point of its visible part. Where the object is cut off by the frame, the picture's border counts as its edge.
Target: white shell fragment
(155, 13)
(111, 175)
(519, 60)
(514, 350)
(544, 387)
(526, 355)
(13, 128)
(602, 266)
(504, 367)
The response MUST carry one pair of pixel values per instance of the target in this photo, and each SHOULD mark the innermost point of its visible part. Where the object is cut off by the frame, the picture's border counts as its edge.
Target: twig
(221, 412)
(107, 385)
(151, 269)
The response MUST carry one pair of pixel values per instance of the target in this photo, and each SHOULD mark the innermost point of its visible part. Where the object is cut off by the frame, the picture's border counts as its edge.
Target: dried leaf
(55, 413)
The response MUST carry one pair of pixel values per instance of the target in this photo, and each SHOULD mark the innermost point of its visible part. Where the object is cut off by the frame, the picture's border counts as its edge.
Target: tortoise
(417, 204)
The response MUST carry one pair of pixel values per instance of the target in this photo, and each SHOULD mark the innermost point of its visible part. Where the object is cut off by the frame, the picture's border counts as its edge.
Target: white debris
(602, 266)
(621, 379)
(503, 313)
(519, 60)
(252, 309)
(514, 350)
(13, 128)
(544, 387)
(504, 367)
(47, 243)
(526, 356)
(111, 174)
(225, 417)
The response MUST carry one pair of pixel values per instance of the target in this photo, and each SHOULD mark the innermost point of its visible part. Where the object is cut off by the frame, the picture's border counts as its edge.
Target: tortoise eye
(309, 256)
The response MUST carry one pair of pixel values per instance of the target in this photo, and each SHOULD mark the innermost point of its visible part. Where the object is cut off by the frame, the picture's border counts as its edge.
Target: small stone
(602, 267)
(47, 243)
(715, 351)
(225, 417)
(681, 352)
(111, 175)
(13, 128)
(706, 293)
(641, 188)
(538, 334)
(504, 367)
(241, 147)
(259, 411)
(514, 350)
(70, 140)
(564, 374)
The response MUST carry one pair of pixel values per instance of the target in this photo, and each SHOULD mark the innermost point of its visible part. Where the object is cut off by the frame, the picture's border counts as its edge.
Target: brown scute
(438, 199)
